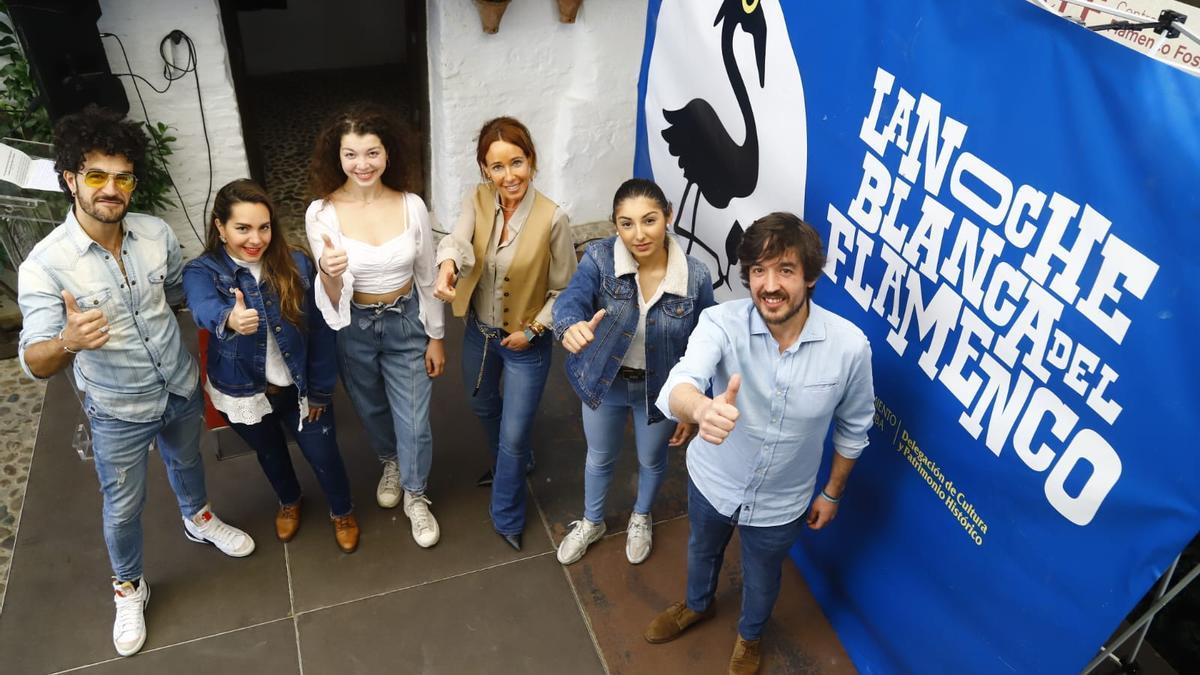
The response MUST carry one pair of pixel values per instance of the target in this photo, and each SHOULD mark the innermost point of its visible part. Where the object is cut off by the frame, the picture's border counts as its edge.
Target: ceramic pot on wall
(490, 12)
(567, 9)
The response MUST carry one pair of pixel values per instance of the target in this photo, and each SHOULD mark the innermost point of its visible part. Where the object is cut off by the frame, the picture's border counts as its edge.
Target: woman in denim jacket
(626, 317)
(271, 358)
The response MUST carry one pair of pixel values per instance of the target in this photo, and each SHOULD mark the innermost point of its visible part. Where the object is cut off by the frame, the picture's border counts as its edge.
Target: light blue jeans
(381, 355)
(604, 428)
(120, 450)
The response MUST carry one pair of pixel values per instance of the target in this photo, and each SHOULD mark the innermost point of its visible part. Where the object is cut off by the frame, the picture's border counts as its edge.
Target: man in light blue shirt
(784, 369)
(96, 295)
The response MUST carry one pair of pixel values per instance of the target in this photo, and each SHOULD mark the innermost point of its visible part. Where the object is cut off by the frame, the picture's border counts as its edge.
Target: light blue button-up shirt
(768, 465)
(144, 359)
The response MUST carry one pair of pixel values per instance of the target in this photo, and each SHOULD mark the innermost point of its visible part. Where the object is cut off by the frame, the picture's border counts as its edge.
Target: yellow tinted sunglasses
(96, 178)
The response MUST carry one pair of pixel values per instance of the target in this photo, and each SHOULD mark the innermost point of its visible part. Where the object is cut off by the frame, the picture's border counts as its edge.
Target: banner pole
(1128, 16)
(1145, 619)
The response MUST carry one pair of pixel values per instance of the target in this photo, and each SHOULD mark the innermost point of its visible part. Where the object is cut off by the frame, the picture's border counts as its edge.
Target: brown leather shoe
(672, 621)
(287, 521)
(745, 659)
(345, 531)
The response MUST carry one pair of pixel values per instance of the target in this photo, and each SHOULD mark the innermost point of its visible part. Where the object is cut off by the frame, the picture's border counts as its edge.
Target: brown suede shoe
(672, 621)
(345, 531)
(745, 659)
(287, 521)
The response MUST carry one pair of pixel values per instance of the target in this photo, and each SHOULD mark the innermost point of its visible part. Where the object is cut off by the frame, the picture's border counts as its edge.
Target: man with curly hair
(96, 295)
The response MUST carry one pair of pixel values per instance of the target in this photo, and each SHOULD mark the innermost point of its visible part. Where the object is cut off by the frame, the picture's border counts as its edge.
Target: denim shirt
(237, 363)
(144, 360)
(606, 280)
(767, 466)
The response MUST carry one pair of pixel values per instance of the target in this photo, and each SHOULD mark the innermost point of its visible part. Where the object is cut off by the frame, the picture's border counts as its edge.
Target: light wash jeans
(121, 449)
(506, 406)
(604, 428)
(381, 355)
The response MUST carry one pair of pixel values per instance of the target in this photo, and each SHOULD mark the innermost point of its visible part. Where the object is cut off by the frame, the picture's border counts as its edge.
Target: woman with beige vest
(509, 256)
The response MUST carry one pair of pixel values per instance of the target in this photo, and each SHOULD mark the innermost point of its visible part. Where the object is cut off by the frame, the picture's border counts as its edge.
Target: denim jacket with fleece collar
(606, 280)
(237, 363)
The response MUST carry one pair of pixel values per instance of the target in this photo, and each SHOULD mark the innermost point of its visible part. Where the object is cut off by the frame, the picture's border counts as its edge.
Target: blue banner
(1011, 213)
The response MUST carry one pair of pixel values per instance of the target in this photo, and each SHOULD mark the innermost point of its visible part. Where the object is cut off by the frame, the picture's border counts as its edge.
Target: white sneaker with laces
(582, 535)
(206, 527)
(424, 526)
(638, 537)
(129, 628)
(387, 494)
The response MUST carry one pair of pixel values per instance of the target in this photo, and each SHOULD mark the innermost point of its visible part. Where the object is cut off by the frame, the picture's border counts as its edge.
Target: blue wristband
(829, 499)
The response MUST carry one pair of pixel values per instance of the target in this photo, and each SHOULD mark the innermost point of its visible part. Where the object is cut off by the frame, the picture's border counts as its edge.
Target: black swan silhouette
(718, 166)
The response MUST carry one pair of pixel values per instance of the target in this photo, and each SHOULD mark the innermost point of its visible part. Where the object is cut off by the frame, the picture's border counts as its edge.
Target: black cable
(157, 145)
(148, 83)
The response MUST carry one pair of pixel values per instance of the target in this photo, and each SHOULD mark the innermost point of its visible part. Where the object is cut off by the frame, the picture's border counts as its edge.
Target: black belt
(631, 374)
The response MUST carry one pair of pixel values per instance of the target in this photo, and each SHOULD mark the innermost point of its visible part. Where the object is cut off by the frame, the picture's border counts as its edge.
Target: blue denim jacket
(604, 282)
(237, 363)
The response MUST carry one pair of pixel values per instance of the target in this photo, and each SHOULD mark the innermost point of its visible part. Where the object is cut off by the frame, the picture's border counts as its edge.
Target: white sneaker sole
(138, 647)
(231, 554)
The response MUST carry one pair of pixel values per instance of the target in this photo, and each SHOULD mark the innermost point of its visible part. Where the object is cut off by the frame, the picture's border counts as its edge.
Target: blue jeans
(381, 355)
(120, 450)
(318, 442)
(506, 408)
(763, 552)
(605, 429)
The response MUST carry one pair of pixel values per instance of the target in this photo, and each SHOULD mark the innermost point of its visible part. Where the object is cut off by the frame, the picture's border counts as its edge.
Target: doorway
(295, 63)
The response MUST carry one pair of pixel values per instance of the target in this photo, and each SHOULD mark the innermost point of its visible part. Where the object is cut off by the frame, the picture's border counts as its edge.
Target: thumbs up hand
(719, 415)
(333, 260)
(581, 333)
(84, 330)
(241, 320)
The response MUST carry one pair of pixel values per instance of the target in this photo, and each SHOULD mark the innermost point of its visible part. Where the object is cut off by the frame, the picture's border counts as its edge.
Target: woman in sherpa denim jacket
(626, 317)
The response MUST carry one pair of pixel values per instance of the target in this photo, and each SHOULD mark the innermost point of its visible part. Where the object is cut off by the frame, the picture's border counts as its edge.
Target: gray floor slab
(268, 649)
(58, 611)
(516, 618)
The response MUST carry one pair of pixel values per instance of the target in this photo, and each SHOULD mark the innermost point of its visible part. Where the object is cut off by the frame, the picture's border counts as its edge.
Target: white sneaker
(638, 537)
(424, 526)
(129, 628)
(387, 494)
(206, 527)
(583, 533)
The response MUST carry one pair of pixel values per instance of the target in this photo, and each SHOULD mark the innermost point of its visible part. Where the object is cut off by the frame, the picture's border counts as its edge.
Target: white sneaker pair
(129, 627)
(206, 528)
(638, 539)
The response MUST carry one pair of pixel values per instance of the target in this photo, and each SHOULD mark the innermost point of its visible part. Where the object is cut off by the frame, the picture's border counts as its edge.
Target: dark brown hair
(509, 130)
(97, 130)
(640, 187)
(325, 167)
(773, 235)
(279, 270)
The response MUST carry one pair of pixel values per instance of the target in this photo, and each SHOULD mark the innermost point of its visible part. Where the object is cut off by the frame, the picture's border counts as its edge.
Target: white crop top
(379, 269)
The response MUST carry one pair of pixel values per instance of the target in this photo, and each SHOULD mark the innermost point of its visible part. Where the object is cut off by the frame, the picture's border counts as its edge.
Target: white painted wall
(573, 85)
(323, 35)
(141, 24)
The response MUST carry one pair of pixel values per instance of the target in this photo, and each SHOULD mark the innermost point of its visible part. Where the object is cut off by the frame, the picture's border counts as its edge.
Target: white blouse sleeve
(320, 221)
(432, 312)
